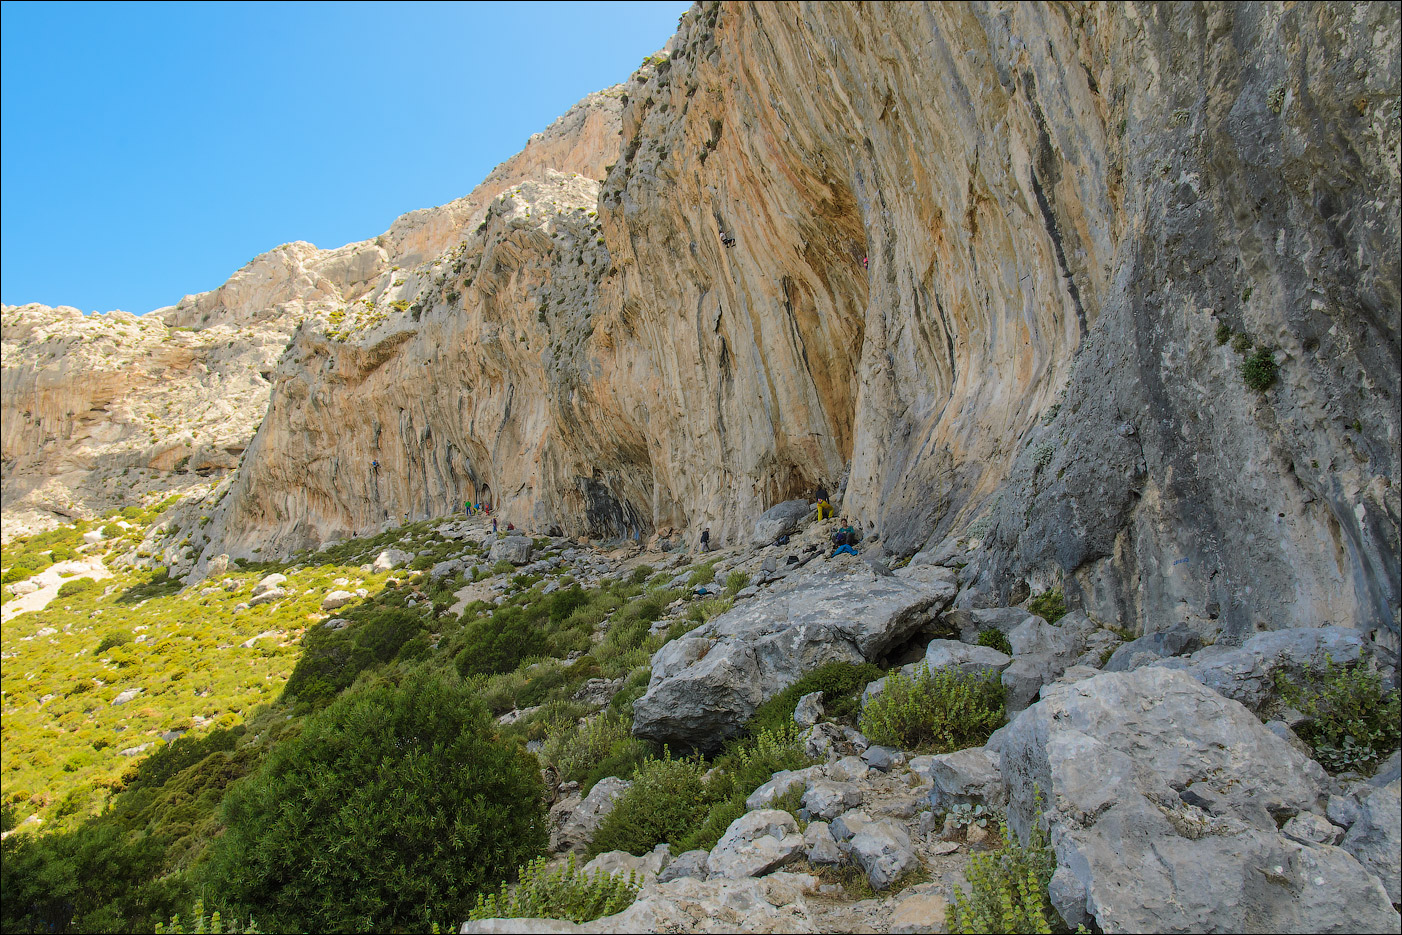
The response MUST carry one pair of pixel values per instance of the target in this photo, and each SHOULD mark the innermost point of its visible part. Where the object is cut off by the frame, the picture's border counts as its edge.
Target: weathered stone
(1041, 652)
(809, 710)
(849, 769)
(780, 519)
(1103, 760)
(268, 582)
(757, 649)
(822, 846)
(756, 843)
(126, 696)
(828, 799)
(691, 864)
(883, 850)
(1177, 640)
(972, 621)
(1375, 836)
(1309, 828)
(513, 549)
(1247, 674)
(621, 863)
(965, 657)
(272, 594)
(918, 910)
(390, 559)
(779, 785)
(823, 742)
(883, 758)
(966, 776)
(23, 587)
(336, 600)
(849, 823)
(573, 824)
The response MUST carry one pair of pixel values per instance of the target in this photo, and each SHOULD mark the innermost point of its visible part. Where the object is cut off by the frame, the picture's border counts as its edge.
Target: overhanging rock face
(706, 685)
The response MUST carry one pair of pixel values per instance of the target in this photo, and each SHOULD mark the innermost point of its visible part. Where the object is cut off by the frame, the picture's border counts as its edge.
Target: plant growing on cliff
(1259, 371)
(935, 712)
(1049, 605)
(663, 803)
(840, 683)
(994, 639)
(1352, 722)
(563, 893)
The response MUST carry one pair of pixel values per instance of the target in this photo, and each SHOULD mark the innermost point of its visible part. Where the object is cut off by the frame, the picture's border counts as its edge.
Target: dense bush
(563, 893)
(1352, 722)
(995, 639)
(935, 712)
(394, 808)
(500, 643)
(1049, 605)
(331, 660)
(110, 639)
(1259, 370)
(663, 803)
(1008, 890)
(76, 586)
(840, 682)
(603, 746)
(744, 766)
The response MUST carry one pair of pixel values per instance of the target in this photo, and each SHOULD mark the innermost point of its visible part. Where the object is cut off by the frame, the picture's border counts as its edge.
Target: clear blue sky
(150, 150)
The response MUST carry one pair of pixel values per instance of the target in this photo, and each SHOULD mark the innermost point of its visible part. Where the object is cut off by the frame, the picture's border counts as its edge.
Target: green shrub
(840, 682)
(76, 586)
(503, 567)
(1049, 605)
(110, 639)
(603, 746)
(735, 581)
(394, 807)
(1009, 890)
(564, 893)
(1224, 332)
(744, 766)
(1352, 722)
(662, 804)
(1259, 371)
(17, 573)
(201, 924)
(500, 643)
(704, 573)
(935, 712)
(641, 574)
(994, 639)
(1241, 343)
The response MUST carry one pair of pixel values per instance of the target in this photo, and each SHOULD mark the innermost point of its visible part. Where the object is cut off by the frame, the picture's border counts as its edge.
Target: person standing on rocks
(706, 539)
(824, 506)
(494, 524)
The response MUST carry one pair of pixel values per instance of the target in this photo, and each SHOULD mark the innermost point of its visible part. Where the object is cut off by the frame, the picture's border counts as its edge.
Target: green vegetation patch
(841, 684)
(563, 893)
(1352, 723)
(935, 712)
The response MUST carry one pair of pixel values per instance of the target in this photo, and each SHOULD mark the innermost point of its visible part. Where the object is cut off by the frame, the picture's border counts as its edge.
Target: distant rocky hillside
(1107, 292)
(102, 411)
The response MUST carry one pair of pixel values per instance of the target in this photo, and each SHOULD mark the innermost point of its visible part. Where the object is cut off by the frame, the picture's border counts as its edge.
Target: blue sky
(150, 150)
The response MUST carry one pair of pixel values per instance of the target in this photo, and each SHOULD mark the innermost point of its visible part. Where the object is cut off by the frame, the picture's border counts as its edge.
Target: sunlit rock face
(988, 263)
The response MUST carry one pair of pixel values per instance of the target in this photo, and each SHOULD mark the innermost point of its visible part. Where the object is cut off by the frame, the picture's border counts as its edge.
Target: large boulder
(1177, 640)
(756, 843)
(968, 658)
(1247, 673)
(779, 520)
(705, 686)
(882, 849)
(964, 777)
(1163, 799)
(268, 582)
(514, 549)
(390, 559)
(337, 599)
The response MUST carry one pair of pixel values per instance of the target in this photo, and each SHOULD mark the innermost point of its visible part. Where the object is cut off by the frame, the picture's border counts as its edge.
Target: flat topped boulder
(514, 549)
(705, 686)
(779, 520)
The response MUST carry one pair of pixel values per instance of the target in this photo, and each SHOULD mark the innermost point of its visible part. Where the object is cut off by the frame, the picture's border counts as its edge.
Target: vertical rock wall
(982, 258)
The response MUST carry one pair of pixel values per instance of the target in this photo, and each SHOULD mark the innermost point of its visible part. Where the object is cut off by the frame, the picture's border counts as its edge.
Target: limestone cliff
(994, 268)
(983, 255)
(102, 411)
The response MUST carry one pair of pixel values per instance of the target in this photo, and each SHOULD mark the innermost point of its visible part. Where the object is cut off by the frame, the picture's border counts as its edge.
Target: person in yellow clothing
(824, 507)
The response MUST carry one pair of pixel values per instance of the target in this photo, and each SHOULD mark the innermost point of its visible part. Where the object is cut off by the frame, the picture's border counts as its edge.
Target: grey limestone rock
(883, 850)
(1247, 673)
(756, 843)
(779, 520)
(828, 799)
(513, 549)
(272, 594)
(965, 657)
(390, 559)
(1163, 799)
(691, 864)
(1375, 836)
(1041, 652)
(336, 600)
(779, 785)
(645, 868)
(574, 822)
(704, 690)
(965, 777)
(822, 846)
(809, 710)
(1177, 640)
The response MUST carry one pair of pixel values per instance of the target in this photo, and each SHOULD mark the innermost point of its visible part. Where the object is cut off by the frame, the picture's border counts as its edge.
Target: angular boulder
(1375, 836)
(964, 777)
(574, 826)
(779, 520)
(1247, 673)
(513, 549)
(882, 849)
(703, 691)
(756, 843)
(1041, 652)
(1163, 799)
(390, 559)
(337, 599)
(967, 658)
(1177, 640)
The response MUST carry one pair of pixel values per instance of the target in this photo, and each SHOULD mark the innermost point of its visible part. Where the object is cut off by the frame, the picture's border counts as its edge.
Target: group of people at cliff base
(472, 509)
(845, 538)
